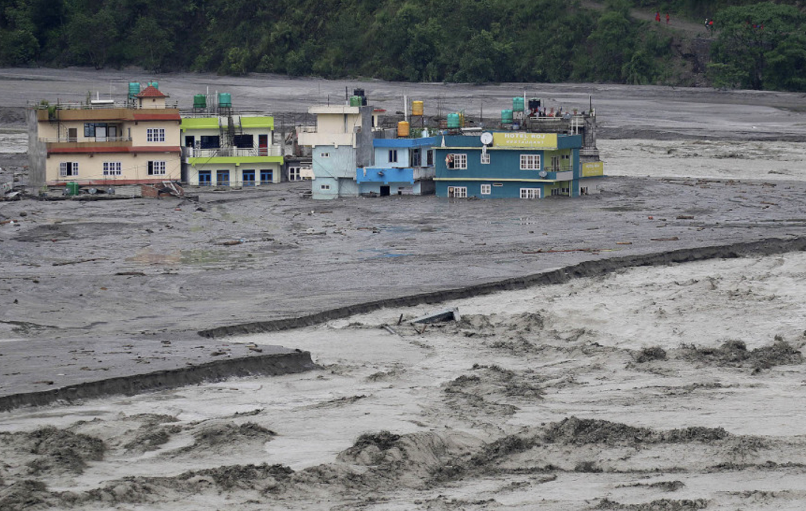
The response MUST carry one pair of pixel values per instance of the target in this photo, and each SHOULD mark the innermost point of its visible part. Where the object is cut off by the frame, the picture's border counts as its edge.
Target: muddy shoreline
(584, 269)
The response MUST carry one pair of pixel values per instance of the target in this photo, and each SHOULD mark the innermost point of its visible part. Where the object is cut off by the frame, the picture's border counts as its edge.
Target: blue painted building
(513, 164)
(403, 166)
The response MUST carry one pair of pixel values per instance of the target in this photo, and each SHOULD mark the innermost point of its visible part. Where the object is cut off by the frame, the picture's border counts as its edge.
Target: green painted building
(234, 151)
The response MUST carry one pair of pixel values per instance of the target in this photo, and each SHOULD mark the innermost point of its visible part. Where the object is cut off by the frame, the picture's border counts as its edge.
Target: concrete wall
(365, 154)
(235, 173)
(334, 162)
(134, 168)
(37, 154)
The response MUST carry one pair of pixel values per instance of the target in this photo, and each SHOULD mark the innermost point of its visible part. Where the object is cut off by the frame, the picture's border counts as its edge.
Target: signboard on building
(593, 169)
(526, 140)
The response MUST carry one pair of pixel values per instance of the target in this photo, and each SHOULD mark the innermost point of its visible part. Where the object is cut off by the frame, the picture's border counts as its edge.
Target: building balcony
(393, 175)
(236, 152)
(53, 111)
(100, 143)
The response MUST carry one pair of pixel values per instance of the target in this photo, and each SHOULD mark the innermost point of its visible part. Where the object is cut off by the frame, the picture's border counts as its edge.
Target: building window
(156, 168)
(485, 158)
(205, 177)
(530, 162)
(248, 177)
(209, 142)
(112, 168)
(429, 158)
(416, 158)
(456, 161)
(68, 169)
(294, 174)
(530, 193)
(222, 177)
(324, 155)
(392, 155)
(324, 187)
(266, 176)
(486, 189)
(155, 134)
(583, 190)
(457, 192)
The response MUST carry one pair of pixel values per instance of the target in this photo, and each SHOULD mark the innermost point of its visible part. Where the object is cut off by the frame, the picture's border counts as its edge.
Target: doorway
(384, 191)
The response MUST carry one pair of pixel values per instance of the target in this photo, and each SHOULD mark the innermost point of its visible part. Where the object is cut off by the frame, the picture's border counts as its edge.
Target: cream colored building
(106, 143)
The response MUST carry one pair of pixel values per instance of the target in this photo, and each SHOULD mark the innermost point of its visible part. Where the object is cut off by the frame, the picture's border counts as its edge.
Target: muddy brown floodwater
(640, 349)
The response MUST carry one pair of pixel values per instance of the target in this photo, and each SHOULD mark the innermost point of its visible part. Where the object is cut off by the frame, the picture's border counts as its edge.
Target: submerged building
(227, 149)
(105, 142)
(535, 153)
(403, 166)
(514, 165)
(340, 142)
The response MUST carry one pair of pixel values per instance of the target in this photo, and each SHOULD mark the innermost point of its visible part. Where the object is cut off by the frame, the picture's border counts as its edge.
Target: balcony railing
(82, 140)
(101, 106)
(192, 152)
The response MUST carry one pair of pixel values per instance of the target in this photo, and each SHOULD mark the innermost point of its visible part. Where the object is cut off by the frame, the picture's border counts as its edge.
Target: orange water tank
(403, 129)
(416, 108)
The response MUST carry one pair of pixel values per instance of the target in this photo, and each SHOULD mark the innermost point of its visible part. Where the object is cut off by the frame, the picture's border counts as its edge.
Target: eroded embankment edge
(584, 269)
(217, 370)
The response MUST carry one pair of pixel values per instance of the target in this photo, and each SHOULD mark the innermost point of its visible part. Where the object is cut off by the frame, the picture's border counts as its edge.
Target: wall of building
(235, 173)
(334, 162)
(364, 152)
(140, 133)
(37, 154)
(134, 168)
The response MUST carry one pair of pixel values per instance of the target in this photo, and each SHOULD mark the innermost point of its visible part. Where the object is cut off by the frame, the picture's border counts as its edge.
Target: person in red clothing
(667, 18)
(657, 16)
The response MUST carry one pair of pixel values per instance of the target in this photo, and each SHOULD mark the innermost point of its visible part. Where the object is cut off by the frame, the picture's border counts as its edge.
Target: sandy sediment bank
(589, 268)
(291, 361)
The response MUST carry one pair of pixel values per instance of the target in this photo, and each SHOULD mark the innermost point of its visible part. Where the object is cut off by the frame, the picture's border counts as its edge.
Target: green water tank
(356, 100)
(506, 116)
(225, 100)
(73, 188)
(517, 104)
(199, 101)
(156, 85)
(454, 121)
(134, 89)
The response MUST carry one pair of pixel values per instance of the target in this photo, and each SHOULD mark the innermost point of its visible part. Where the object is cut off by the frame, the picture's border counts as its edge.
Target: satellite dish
(486, 138)
(542, 173)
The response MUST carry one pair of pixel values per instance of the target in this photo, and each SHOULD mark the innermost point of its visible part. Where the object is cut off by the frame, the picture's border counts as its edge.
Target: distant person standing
(657, 16)
(667, 18)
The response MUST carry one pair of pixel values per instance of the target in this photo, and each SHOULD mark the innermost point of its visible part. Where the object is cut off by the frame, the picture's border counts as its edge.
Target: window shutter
(63, 169)
(75, 168)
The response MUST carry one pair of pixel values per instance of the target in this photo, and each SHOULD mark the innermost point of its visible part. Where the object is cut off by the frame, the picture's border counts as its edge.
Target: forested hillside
(418, 40)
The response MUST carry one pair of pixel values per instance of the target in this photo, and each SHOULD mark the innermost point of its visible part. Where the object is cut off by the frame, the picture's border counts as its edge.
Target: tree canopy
(416, 40)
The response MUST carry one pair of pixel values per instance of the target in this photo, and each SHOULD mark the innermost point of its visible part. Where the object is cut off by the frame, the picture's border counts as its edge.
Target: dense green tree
(432, 40)
(750, 39)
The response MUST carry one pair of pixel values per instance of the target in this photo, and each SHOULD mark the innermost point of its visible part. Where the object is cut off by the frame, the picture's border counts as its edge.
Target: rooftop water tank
(416, 108)
(453, 121)
(134, 89)
(224, 100)
(517, 104)
(403, 129)
(356, 100)
(199, 101)
(156, 85)
(506, 116)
